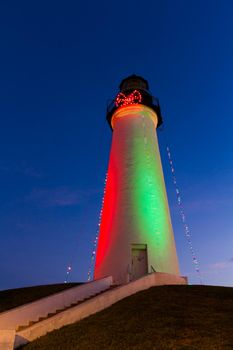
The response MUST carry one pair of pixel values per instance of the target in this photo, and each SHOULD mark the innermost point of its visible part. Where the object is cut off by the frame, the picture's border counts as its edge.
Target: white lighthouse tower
(136, 235)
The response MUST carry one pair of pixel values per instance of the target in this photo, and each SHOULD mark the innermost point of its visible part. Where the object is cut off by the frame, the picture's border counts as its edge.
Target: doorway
(139, 262)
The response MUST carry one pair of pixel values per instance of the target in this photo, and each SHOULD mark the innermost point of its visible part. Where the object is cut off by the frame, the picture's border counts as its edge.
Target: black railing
(152, 269)
(147, 100)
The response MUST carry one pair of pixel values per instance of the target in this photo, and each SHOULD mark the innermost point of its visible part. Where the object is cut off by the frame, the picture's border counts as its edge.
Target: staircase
(51, 314)
(26, 316)
(96, 296)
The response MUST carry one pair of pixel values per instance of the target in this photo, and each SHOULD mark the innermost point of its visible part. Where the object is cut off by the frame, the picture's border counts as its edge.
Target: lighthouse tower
(136, 235)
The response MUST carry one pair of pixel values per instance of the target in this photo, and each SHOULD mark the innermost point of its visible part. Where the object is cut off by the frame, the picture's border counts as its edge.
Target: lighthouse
(136, 235)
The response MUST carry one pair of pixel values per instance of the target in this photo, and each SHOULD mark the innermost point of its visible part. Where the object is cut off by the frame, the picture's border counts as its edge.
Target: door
(139, 266)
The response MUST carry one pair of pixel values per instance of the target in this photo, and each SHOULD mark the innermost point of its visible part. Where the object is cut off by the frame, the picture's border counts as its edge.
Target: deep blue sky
(59, 63)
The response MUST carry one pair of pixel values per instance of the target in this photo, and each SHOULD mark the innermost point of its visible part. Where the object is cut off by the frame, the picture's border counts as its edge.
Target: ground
(160, 318)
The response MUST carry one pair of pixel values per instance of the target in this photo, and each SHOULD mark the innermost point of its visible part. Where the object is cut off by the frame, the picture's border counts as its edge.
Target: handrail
(152, 269)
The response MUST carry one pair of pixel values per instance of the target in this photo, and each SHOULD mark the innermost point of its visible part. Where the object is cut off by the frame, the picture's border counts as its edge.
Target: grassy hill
(15, 297)
(160, 318)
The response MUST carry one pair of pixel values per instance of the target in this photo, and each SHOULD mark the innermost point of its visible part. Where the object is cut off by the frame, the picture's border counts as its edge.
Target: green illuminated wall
(135, 206)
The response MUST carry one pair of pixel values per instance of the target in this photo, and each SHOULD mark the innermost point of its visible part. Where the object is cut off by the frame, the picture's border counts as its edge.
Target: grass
(160, 318)
(15, 297)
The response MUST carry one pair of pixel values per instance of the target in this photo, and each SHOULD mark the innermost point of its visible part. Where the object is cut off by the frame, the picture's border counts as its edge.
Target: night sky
(60, 62)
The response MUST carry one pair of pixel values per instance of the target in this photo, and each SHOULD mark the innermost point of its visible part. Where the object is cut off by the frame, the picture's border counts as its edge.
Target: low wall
(22, 315)
(7, 339)
(95, 305)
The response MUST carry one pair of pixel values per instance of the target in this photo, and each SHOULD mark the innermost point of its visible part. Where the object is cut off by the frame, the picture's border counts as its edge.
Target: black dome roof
(134, 77)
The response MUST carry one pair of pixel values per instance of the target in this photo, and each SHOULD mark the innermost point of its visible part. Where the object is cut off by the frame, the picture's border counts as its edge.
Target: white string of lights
(93, 254)
(183, 217)
(70, 265)
(68, 271)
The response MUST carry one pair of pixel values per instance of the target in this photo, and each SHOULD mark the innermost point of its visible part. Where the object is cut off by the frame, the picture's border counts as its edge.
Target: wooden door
(139, 266)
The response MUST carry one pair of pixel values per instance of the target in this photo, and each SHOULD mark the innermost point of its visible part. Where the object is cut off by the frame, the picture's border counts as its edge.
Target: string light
(93, 254)
(183, 218)
(68, 271)
(133, 98)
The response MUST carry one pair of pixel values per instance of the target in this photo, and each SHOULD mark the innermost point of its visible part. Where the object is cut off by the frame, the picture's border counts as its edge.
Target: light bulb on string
(183, 218)
(97, 234)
